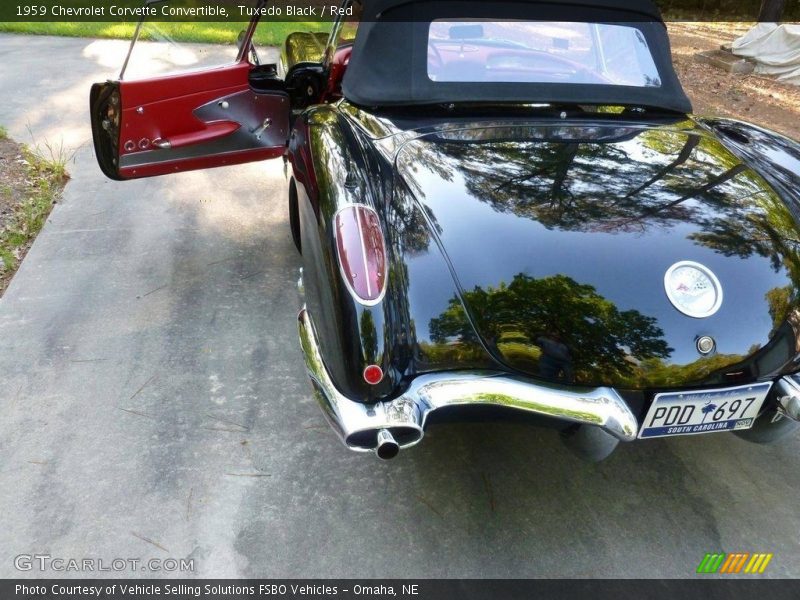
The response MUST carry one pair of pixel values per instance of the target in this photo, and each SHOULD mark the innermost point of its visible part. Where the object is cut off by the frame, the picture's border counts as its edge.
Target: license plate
(692, 413)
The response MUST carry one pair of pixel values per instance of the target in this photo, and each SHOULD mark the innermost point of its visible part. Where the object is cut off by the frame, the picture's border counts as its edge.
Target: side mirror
(240, 39)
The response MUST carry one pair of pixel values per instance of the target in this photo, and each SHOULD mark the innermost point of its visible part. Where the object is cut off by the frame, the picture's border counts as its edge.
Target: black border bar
(131, 11)
(369, 589)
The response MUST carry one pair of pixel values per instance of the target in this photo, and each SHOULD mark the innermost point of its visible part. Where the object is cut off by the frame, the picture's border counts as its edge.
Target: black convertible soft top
(388, 67)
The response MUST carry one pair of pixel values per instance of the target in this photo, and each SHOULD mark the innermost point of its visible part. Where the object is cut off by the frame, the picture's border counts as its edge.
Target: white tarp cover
(775, 48)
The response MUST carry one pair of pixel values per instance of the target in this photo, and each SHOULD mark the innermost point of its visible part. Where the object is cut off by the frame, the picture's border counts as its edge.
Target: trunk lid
(559, 238)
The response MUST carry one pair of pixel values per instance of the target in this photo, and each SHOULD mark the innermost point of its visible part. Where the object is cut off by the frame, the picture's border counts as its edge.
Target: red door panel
(164, 119)
(147, 91)
(259, 130)
(187, 121)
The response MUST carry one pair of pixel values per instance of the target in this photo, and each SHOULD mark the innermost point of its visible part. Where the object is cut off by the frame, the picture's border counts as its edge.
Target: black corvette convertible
(505, 212)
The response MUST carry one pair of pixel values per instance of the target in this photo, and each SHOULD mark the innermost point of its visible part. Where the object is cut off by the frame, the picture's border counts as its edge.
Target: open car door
(193, 120)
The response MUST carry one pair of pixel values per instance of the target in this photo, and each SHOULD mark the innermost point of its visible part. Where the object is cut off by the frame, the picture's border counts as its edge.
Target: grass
(54, 157)
(3, 133)
(46, 175)
(267, 34)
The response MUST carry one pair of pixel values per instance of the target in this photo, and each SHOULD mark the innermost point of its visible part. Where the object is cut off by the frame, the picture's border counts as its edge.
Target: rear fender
(773, 156)
(347, 167)
(330, 170)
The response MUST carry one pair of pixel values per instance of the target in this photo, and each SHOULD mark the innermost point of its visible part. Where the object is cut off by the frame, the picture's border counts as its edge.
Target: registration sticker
(707, 411)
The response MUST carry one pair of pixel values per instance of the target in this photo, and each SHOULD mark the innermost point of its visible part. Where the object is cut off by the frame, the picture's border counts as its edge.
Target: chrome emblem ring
(706, 345)
(693, 289)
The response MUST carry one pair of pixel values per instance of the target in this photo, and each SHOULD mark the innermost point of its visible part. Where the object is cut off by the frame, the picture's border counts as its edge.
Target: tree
(771, 11)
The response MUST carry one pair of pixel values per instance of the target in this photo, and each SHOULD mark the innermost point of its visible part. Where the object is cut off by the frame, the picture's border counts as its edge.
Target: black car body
(505, 231)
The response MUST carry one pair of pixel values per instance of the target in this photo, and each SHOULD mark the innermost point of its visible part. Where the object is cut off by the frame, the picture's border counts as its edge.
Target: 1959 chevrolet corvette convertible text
(505, 212)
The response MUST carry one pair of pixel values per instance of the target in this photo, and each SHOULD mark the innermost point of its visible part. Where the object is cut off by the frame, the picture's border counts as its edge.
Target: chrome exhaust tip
(387, 447)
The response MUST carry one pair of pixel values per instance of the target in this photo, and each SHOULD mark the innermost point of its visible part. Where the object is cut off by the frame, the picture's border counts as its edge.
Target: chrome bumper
(363, 427)
(788, 389)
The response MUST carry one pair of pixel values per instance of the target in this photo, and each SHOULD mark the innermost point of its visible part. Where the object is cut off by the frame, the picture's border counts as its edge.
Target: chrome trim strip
(359, 424)
(363, 249)
(379, 299)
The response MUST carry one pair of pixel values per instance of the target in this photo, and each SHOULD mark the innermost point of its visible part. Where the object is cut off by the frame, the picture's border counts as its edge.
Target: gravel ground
(753, 98)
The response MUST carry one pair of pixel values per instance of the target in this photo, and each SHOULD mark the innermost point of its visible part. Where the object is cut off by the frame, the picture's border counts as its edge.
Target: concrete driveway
(154, 405)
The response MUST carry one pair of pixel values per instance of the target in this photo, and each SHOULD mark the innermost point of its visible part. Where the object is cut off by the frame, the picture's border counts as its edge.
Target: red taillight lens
(373, 374)
(362, 252)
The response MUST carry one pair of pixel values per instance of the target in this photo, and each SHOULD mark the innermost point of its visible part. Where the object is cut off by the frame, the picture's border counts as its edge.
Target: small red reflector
(362, 252)
(373, 374)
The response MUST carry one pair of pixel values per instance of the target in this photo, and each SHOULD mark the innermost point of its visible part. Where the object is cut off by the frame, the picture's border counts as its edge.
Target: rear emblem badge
(693, 289)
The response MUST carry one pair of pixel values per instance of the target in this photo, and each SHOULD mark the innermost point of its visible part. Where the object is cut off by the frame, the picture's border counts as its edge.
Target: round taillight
(362, 253)
(373, 374)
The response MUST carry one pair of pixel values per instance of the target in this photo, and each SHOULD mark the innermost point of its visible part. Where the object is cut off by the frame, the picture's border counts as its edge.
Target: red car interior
(160, 115)
(162, 108)
(338, 67)
(206, 118)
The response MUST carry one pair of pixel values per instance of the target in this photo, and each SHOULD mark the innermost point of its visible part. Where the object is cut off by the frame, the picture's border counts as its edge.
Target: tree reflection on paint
(611, 181)
(554, 327)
